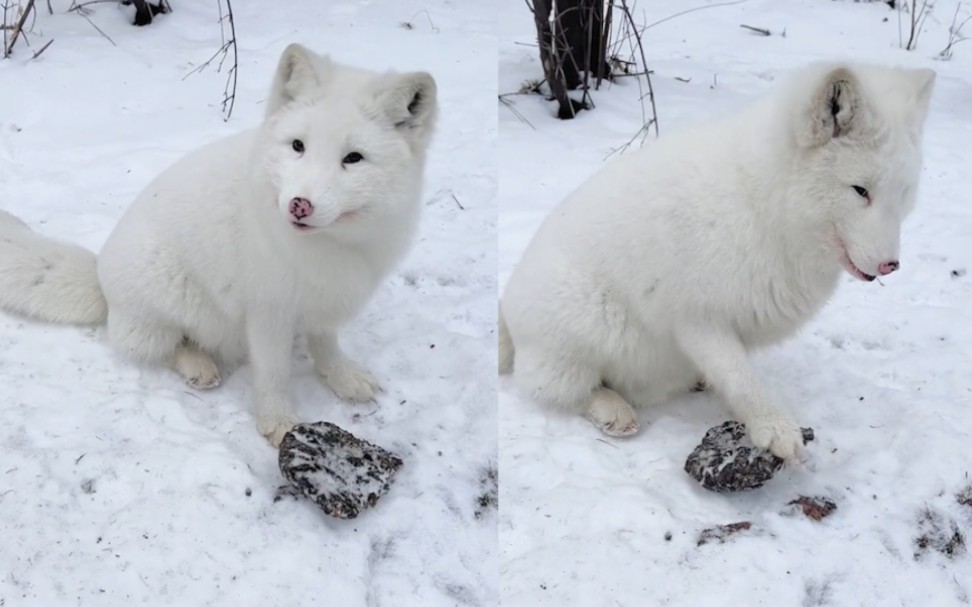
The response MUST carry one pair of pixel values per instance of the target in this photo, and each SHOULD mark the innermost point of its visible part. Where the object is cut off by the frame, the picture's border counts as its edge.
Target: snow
(882, 374)
(120, 485)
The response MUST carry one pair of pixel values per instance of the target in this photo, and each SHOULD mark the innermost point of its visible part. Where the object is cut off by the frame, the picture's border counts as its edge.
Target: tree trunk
(580, 27)
(572, 47)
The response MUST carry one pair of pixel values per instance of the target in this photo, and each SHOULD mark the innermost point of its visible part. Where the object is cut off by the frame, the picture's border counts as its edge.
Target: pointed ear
(408, 102)
(834, 109)
(922, 82)
(299, 71)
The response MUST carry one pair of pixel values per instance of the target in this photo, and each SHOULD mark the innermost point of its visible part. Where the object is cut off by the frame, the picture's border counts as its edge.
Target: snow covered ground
(883, 374)
(121, 486)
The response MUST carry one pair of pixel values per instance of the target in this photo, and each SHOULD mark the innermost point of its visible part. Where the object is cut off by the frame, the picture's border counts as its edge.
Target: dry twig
(644, 62)
(81, 7)
(229, 91)
(758, 30)
(955, 34)
(510, 106)
(43, 48)
(100, 31)
(918, 16)
(18, 29)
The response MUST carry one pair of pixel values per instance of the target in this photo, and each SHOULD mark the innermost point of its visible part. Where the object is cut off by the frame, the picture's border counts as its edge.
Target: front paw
(350, 381)
(273, 428)
(779, 435)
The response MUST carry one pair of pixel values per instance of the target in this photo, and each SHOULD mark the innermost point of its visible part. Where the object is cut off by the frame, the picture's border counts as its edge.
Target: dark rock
(341, 473)
(727, 461)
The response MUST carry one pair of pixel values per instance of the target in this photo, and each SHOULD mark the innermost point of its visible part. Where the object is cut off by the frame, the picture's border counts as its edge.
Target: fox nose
(887, 267)
(301, 208)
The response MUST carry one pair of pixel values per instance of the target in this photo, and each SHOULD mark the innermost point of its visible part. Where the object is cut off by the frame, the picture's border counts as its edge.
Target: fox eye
(352, 158)
(862, 192)
(298, 146)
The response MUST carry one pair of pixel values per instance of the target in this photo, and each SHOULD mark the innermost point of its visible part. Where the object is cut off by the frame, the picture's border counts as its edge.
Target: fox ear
(834, 109)
(922, 82)
(298, 72)
(408, 101)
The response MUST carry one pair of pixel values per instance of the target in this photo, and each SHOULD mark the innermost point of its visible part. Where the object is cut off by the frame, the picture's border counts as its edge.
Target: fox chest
(334, 295)
(776, 308)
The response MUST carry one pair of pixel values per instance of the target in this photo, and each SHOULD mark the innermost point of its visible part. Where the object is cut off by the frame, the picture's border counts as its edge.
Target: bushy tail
(46, 279)
(506, 350)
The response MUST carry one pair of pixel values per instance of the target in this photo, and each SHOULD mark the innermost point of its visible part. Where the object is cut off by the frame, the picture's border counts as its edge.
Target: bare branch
(918, 16)
(80, 7)
(691, 10)
(227, 45)
(42, 49)
(229, 97)
(644, 63)
(94, 25)
(19, 28)
(955, 35)
(510, 106)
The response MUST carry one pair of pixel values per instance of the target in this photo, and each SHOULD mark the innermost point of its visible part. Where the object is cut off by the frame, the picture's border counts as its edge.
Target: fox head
(858, 133)
(344, 147)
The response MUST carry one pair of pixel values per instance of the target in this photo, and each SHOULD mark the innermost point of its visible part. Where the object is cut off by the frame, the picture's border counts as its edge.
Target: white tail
(506, 350)
(46, 279)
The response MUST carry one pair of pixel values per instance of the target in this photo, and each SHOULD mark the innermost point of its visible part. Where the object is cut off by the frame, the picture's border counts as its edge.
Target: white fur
(47, 279)
(207, 264)
(672, 263)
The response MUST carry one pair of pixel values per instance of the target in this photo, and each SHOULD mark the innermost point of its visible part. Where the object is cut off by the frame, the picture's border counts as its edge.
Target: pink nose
(301, 208)
(887, 267)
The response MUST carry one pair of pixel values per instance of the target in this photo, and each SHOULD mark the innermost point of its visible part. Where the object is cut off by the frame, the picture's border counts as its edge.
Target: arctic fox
(254, 239)
(672, 263)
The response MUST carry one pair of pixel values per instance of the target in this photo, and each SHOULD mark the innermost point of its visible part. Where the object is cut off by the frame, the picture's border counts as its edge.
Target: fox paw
(273, 428)
(350, 381)
(779, 435)
(613, 417)
(197, 369)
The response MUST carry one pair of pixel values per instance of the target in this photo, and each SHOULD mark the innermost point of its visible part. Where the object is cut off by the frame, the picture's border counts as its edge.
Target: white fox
(673, 262)
(254, 239)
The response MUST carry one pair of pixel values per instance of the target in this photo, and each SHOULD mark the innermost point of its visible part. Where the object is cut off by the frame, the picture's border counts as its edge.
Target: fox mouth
(343, 218)
(303, 227)
(852, 269)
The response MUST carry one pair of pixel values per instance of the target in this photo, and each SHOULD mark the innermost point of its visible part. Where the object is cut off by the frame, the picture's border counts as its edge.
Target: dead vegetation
(488, 499)
(722, 533)
(814, 508)
(938, 533)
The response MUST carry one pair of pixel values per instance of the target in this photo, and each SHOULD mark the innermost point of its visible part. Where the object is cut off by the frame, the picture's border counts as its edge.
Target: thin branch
(644, 62)
(229, 90)
(458, 204)
(642, 132)
(94, 25)
(231, 98)
(6, 7)
(43, 48)
(918, 16)
(758, 30)
(691, 10)
(80, 7)
(19, 28)
(408, 24)
(510, 106)
(955, 35)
